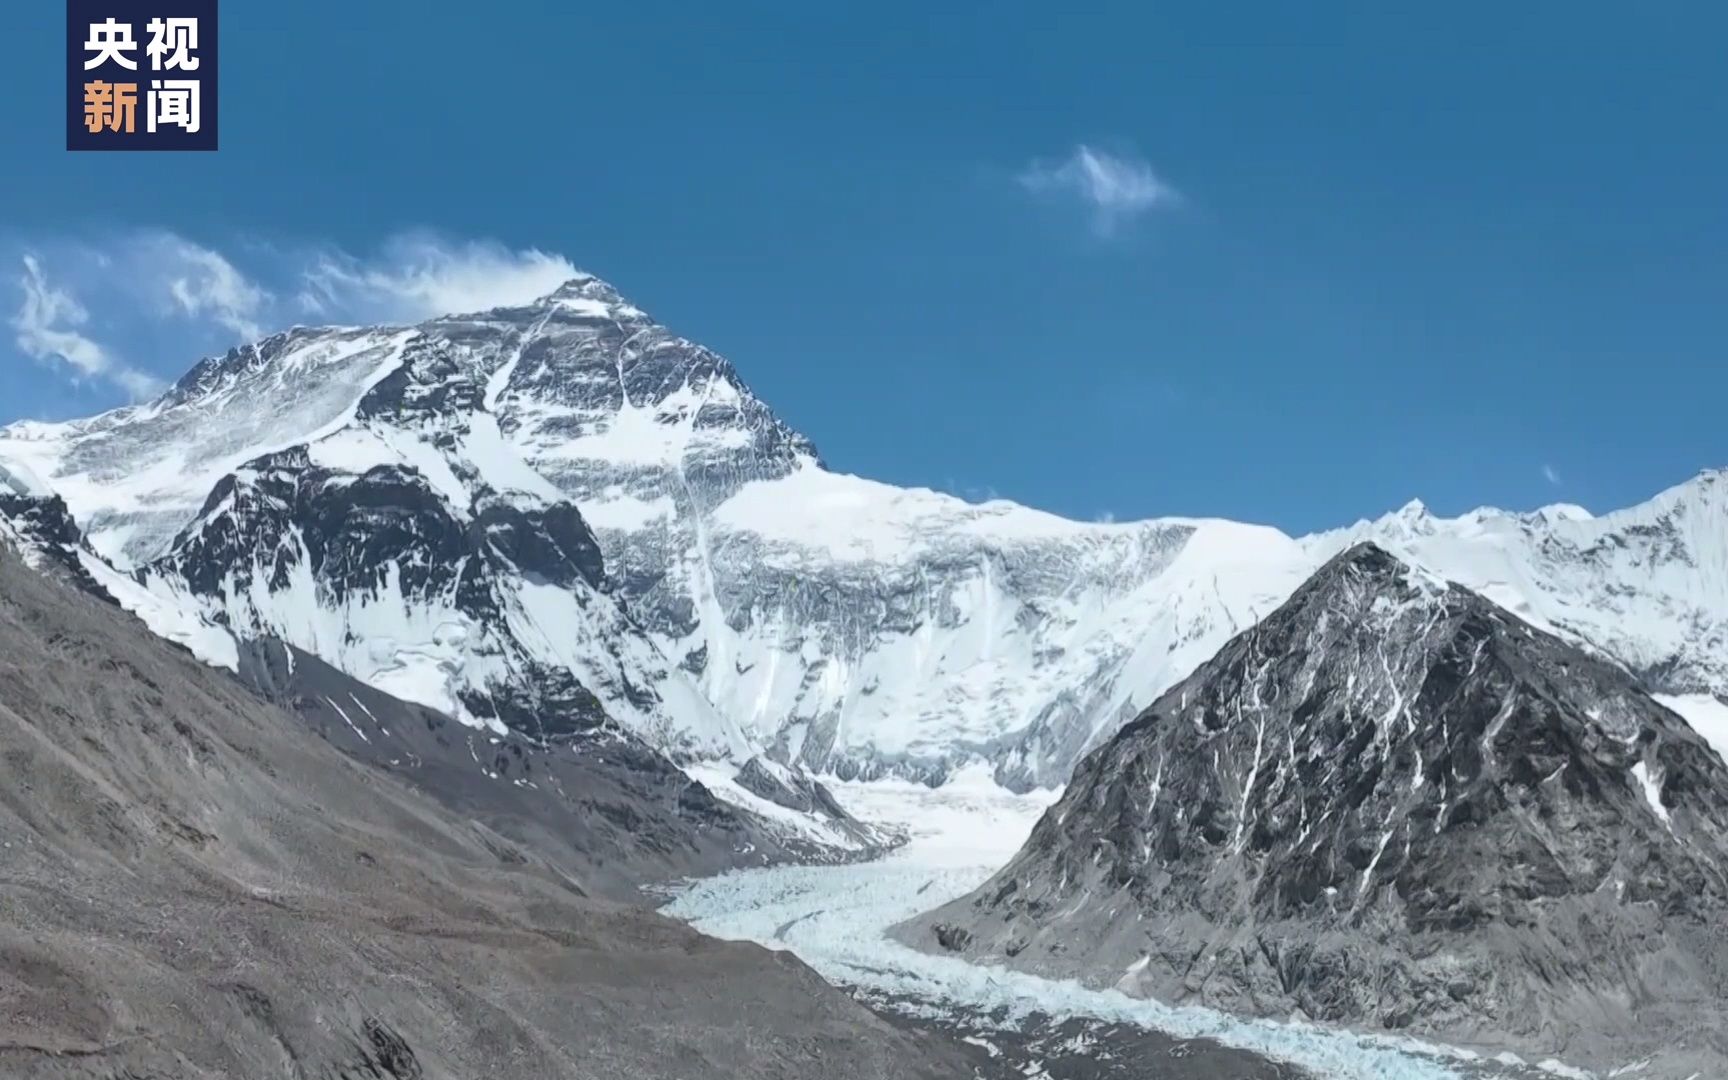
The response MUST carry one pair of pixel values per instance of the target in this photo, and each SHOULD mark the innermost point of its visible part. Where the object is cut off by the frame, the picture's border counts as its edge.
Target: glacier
(836, 918)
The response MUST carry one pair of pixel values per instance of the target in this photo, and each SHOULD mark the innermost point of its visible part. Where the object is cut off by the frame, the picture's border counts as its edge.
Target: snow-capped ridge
(1558, 512)
(852, 627)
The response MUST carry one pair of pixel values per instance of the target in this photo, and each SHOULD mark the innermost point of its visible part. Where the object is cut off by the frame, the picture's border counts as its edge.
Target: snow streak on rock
(1394, 804)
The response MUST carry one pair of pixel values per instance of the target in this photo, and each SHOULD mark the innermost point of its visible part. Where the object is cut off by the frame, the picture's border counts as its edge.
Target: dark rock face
(952, 938)
(789, 787)
(284, 522)
(43, 531)
(353, 530)
(1392, 804)
(795, 789)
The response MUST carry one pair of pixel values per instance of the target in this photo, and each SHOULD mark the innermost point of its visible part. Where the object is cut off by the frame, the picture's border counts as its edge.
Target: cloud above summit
(1114, 189)
(130, 311)
(419, 275)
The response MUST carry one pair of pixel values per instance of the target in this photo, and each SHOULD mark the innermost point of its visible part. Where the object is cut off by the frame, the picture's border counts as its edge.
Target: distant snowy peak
(1558, 512)
(738, 592)
(1647, 585)
(385, 498)
(580, 380)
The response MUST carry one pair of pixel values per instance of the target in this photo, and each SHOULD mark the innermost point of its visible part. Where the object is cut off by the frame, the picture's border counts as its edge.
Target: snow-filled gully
(836, 919)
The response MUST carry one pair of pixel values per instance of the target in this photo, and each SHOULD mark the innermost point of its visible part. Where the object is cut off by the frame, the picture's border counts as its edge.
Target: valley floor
(837, 918)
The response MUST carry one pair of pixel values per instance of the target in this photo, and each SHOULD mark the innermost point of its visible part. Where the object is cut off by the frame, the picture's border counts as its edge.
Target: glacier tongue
(838, 918)
(740, 592)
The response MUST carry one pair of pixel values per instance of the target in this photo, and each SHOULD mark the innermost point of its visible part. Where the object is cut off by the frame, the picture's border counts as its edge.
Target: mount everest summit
(539, 517)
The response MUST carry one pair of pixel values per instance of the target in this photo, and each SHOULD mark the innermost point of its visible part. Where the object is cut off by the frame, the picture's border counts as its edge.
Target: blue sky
(1287, 263)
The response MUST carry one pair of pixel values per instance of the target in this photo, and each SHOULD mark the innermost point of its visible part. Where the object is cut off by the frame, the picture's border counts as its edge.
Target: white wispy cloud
(202, 283)
(1551, 474)
(50, 325)
(1115, 188)
(420, 275)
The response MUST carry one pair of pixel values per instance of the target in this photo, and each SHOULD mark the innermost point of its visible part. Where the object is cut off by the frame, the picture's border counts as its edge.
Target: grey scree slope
(601, 806)
(192, 884)
(1392, 804)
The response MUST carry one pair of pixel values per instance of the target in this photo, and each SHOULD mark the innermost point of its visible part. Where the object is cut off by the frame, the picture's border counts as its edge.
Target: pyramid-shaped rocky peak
(1391, 803)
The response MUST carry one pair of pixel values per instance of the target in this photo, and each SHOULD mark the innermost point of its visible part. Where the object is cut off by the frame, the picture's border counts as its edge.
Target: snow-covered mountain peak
(590, 297)
(587, 286)
(1411, 520)
(378, 497)
(1647, 585)
(607, 479)
(1558, 512)
(1413, 511)
(578, 382)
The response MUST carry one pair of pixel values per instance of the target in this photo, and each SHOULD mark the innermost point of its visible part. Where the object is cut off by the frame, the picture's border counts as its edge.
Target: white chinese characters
(171, 47)
(110, 40)
(172, 103)
(172, 43)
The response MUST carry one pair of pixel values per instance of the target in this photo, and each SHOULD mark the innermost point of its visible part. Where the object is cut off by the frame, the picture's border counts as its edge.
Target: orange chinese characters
(110, 105)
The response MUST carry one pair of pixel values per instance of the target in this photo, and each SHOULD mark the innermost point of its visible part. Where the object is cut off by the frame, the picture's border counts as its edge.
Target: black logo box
(80, 14)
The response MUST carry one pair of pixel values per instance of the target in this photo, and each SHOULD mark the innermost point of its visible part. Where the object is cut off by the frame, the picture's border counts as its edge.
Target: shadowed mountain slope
(194, 884)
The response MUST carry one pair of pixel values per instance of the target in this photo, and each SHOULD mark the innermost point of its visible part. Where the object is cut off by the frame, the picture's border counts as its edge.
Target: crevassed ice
(836, 919)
